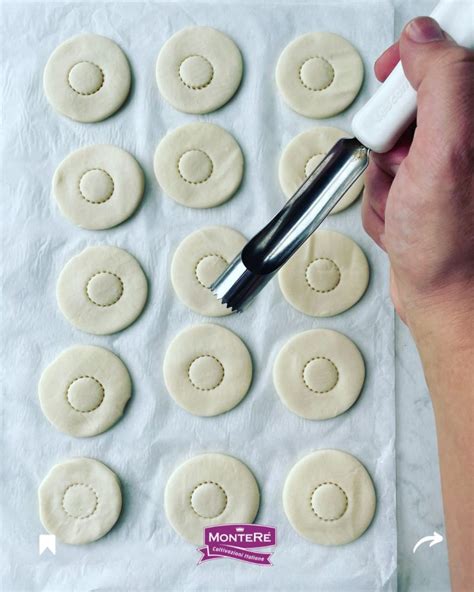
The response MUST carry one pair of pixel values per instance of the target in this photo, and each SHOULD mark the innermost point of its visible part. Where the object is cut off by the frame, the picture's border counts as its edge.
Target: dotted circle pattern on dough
(232, 498)
(75, 502)
(198, 70)
(323, 296)
(213, 504)
(85, 394)
(87, 78)
(199, 165)
(103, 388)
(201, 376)
(102, 290)
(333, 387)
(79, 500)
(322, 275)
(304, 153)
(198, 261)
(320, 375)
(217, 386)
(329, 501)
(319, 74)
(329, 497)
(98, 186)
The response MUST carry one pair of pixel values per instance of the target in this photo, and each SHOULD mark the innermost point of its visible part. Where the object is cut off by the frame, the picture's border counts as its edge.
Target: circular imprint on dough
(198, 262)
(79, 500)
(302, 156)
(329, 497)
(87, 78)
(199, 165)
(85, 390)
(98, 186)
(102, 290)
(207, 369)
(198, 70)
(319, 74)
(210, 489)
(319, 374)
(327, 275)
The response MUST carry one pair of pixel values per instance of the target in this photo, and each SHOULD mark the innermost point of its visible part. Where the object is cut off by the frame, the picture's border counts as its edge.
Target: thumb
(442, 73)
(424, 47)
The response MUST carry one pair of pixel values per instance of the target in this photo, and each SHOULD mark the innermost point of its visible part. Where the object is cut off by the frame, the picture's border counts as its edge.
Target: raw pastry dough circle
(319, 374)
(80, 500)
(329, 497)
(302, 156)
(319, 74)
(98, 186)
(198, 261)
(84, 391)
(327, 275)
(210, 489)
(199, 165)
(87, 78)
(207, 369)
(102, 290)
(198, 70)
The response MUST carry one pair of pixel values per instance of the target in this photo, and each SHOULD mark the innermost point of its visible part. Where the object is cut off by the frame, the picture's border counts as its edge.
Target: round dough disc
(210, 489)
(198, 70)
(199, 165)
(84, 391)
(302, 156)
(327, 275)
(329, 497)
(79, 500)
(319, 374)
(207, 369)
(102, 290)
(98, 186)
(198, 262)
(319, 74)
(87, 78)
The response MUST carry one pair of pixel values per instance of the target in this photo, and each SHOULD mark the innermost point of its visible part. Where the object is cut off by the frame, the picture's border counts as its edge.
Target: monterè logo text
(237, 541)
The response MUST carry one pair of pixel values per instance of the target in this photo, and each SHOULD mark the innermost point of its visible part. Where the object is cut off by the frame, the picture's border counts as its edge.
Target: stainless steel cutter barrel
(271, 248)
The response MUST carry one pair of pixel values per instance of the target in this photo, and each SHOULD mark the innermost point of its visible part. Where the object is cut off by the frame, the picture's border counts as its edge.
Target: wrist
(444, 317)
(442, 327)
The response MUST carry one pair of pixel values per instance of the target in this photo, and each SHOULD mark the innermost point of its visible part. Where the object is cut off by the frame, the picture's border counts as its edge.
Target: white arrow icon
(47, 541)
(434, 539)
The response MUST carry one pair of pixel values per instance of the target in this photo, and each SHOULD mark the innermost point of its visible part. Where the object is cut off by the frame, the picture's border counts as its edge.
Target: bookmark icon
(47, 542)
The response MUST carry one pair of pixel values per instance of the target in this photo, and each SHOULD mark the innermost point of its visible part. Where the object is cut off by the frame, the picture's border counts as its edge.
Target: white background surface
(142, 552)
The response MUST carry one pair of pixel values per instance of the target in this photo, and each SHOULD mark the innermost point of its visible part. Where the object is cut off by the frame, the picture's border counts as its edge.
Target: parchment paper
(143, 552)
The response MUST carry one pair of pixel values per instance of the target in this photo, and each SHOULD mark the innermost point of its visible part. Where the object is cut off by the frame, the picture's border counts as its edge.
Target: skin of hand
(419, 197)
(418, 206)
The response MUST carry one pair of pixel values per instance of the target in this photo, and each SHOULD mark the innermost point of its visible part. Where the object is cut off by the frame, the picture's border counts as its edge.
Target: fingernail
(424, 30)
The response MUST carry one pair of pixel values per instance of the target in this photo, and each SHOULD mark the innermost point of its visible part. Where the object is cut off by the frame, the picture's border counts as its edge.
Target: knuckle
(451, 159)
(445, 106)
(455, 70)
(459, 55)
(451, 71)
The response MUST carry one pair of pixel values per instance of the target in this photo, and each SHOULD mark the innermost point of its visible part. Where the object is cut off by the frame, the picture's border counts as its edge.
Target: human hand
(418, 202)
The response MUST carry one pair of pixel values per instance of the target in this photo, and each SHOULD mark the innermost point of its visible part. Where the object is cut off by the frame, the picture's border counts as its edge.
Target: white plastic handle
(387, 114)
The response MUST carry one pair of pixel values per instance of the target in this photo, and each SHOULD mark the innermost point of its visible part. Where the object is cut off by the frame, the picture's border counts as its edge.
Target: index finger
(387, 62)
